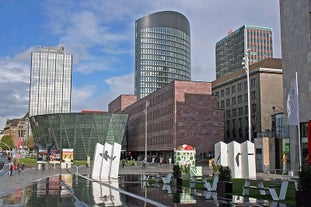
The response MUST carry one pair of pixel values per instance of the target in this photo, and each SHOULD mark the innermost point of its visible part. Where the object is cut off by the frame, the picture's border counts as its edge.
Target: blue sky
(100, 35)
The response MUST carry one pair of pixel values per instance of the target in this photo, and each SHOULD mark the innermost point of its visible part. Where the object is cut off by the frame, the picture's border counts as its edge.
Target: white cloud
(14, 87)
(117, 86)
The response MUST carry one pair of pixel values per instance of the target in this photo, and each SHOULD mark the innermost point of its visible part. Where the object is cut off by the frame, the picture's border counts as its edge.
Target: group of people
(16, 168)
(1, 165)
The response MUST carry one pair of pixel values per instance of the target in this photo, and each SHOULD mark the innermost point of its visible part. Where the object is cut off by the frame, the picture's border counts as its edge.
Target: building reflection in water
(69, 190)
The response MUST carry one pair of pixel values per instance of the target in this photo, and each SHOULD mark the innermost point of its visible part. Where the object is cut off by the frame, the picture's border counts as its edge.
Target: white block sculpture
(234, 159)
(106, 161)
(239, 157)
(221, 156)
(248, 160)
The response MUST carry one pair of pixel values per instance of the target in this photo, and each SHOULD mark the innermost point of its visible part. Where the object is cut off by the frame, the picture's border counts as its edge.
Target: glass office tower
(50, 81)
(231, 49)
(162, 51)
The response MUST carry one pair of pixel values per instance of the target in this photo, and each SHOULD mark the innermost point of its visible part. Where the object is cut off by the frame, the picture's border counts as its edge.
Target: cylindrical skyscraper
(162, 51)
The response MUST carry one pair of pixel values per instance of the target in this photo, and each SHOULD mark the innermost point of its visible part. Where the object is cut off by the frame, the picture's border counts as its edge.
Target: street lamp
(146, 129)
(245, 64)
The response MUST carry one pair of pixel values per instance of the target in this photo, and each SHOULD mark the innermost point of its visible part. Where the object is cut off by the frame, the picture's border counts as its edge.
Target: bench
(271, 189)
(213, 186)
(196, 180)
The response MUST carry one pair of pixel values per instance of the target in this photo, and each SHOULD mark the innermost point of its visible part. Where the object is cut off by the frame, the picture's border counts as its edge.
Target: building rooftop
(273, 63)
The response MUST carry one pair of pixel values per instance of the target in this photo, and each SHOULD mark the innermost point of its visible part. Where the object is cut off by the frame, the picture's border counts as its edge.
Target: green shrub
(304, 181)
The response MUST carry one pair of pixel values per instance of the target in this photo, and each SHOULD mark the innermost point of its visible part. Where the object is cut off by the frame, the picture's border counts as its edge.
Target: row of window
(160, 98)
(163, 56)
(159, 125)
(153, 70)
(148, 43)
(160, 139)
(239, 98)
(171, 62)
(167, 48)
(241, 111)
(253, 84)
(167, 31)
(153, 37)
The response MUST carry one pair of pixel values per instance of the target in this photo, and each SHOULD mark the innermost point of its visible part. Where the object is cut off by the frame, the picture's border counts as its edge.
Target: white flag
(292, 105)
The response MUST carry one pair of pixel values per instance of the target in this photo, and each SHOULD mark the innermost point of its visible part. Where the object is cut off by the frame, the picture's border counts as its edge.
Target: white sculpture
(106, 161)
(239, 157)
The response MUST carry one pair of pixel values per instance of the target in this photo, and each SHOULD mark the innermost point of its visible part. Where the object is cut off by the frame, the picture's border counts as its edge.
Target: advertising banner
(67, 155)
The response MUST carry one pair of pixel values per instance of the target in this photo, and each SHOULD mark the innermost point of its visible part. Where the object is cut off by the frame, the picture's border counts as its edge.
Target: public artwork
(239, 157)
(184, 156)
(106, 161)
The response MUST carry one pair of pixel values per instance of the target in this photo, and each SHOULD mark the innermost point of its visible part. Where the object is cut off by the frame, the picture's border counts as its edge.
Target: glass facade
(162, 44)
(231, 49)
(78, 131)
(50, 81)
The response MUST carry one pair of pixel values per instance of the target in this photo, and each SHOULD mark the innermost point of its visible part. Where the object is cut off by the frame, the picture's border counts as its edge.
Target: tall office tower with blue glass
(162, 51)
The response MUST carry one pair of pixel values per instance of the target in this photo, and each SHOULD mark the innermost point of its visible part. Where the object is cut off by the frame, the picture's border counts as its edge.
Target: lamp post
(146, 129)
(245, 64)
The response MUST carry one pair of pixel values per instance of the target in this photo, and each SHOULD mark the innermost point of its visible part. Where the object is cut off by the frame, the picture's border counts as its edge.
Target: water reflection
(71, 190)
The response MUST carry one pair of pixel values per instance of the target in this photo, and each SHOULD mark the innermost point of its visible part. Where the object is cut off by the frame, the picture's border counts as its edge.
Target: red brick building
(182, 112)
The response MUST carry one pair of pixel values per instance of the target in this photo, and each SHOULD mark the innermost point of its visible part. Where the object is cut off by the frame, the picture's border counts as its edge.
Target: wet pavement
(74, 187)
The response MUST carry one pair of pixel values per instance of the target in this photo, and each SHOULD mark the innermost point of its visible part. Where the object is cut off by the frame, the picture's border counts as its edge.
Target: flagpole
(298, 125)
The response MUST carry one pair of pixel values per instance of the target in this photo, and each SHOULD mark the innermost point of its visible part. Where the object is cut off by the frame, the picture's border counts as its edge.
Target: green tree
(8, 141)
(31, 142)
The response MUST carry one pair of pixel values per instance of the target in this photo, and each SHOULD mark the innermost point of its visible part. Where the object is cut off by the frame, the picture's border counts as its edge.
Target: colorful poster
(67, 155)
(55, 155)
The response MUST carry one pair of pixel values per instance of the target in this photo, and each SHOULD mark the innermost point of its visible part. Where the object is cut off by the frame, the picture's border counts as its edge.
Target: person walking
(284, 159)
(11, 169)
(143, 163)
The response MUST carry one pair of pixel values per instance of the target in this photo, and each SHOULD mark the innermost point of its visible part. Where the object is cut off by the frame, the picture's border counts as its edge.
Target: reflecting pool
(80, 190)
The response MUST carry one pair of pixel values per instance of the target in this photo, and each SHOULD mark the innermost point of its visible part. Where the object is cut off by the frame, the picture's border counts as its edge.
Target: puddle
(71, 190)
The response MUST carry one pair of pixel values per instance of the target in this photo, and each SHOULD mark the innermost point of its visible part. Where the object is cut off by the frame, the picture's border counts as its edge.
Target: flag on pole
(292, 104)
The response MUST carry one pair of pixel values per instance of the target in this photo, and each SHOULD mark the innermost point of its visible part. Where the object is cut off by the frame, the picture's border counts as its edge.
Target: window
(222, 93)
(253, 95)
(254, 109)
(222, 104)
(253, 83)
(233, 89)
(227, 91)
(239, 87)
(217, 94)
(233, 101)
(228, 113)
(240, 99)
(233, 112)
(245, 98)
(228, 102)
(240, 111)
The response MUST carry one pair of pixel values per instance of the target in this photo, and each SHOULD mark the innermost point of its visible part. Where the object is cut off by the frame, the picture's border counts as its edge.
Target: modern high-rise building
(254, 40)
(50, 81)
(295, 19)
(162, 51)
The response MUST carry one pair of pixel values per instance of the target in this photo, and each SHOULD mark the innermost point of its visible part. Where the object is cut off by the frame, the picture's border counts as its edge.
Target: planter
(303, 198)
(224, 189)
